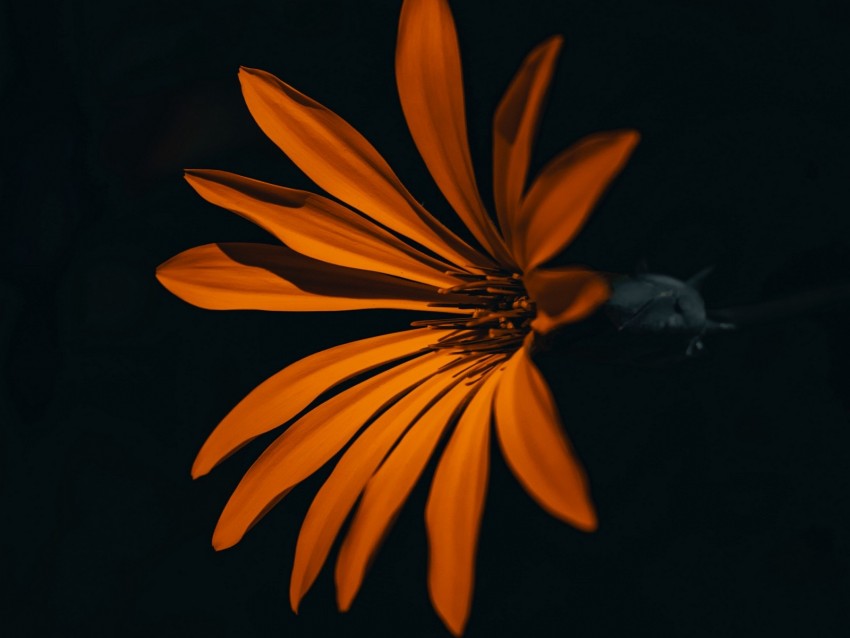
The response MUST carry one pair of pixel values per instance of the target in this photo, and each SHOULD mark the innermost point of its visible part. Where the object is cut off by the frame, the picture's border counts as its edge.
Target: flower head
(450, 374)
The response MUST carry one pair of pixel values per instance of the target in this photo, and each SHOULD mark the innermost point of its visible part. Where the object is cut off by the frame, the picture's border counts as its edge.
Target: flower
(447, 376)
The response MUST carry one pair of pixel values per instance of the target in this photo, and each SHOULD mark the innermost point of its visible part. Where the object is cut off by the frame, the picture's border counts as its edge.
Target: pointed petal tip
(199, 470)
(219, 546)
(343, 604)
(346, 591)
(589, 524)
(582, 518)
(203, 464)
(161, 273)
(632, 137)
(227, 534)
(222, 541)
(556, 42)
(194, 177)
(455, 624)
(199, 177)
(249, 75)
(297, 591)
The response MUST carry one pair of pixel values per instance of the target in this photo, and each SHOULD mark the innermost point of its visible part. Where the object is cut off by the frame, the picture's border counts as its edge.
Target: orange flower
(449, 375)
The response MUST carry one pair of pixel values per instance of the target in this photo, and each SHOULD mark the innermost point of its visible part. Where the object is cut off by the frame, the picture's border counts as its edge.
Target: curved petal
(430, 85)
(342, 162)
(534, 445)
(282, 396)
(388, 489)
(334, 501)
(264, 277)
(564, 295)
(319, 227)
(561, 198)
(514, 129)
(454, 510)
(310, 442)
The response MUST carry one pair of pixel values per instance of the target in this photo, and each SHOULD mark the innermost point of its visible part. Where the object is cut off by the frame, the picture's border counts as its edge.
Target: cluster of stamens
(500, 316)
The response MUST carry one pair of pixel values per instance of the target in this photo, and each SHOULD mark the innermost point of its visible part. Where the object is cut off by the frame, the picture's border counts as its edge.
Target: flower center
(500, 315)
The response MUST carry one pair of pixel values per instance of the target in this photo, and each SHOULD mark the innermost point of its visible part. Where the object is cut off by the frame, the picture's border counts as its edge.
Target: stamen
(500, 315)
(484, 268)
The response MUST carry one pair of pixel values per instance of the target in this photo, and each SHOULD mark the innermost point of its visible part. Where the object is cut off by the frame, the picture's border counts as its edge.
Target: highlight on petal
(311, 441)
(388, 489)
(337, 496)
(236, 276)
(534, 445)
(564, 295)
(340, 160)
(514, 129)
(454, 510)
(430, 85)
(563, 195)
(318, 227)
(282, 396)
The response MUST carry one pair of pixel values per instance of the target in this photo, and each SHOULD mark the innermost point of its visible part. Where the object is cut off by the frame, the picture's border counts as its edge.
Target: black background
(721, 484)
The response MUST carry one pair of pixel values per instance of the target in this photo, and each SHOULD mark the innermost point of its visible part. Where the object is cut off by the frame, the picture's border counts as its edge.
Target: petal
(334, 501)
(430, 85)
(564, 295)
(310, 442)
(319, 227)
(454, 509)
(264, 277)
(341, 161)
(387, 490)
(514, 129)
(284, 395)
(561, 198)
(534, 445)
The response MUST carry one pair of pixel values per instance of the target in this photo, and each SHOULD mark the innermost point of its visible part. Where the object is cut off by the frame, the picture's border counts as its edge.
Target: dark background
(721, 484)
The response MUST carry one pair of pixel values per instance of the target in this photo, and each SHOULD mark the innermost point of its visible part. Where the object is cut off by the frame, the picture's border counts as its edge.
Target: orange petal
(564, 295)
(341, 161)
(454, 509)
(534, 445)
(319, 227)
(514, 129)
(334, 501)
(310, 442)
(264, 277)
(282, 396)
(430, 85)
(386, 492)
(561, 198)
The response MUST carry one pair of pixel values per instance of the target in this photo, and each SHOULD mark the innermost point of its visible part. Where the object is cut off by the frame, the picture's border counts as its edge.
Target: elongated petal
(430, 85)
(454, 509)
(514, 129)
(264, 277)
(386, 492)
(319, 227)
(339, 493)
(341, 161)
(564, 295)
(534, 445)
(563, 195)
(310, 442)
(284, 395)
